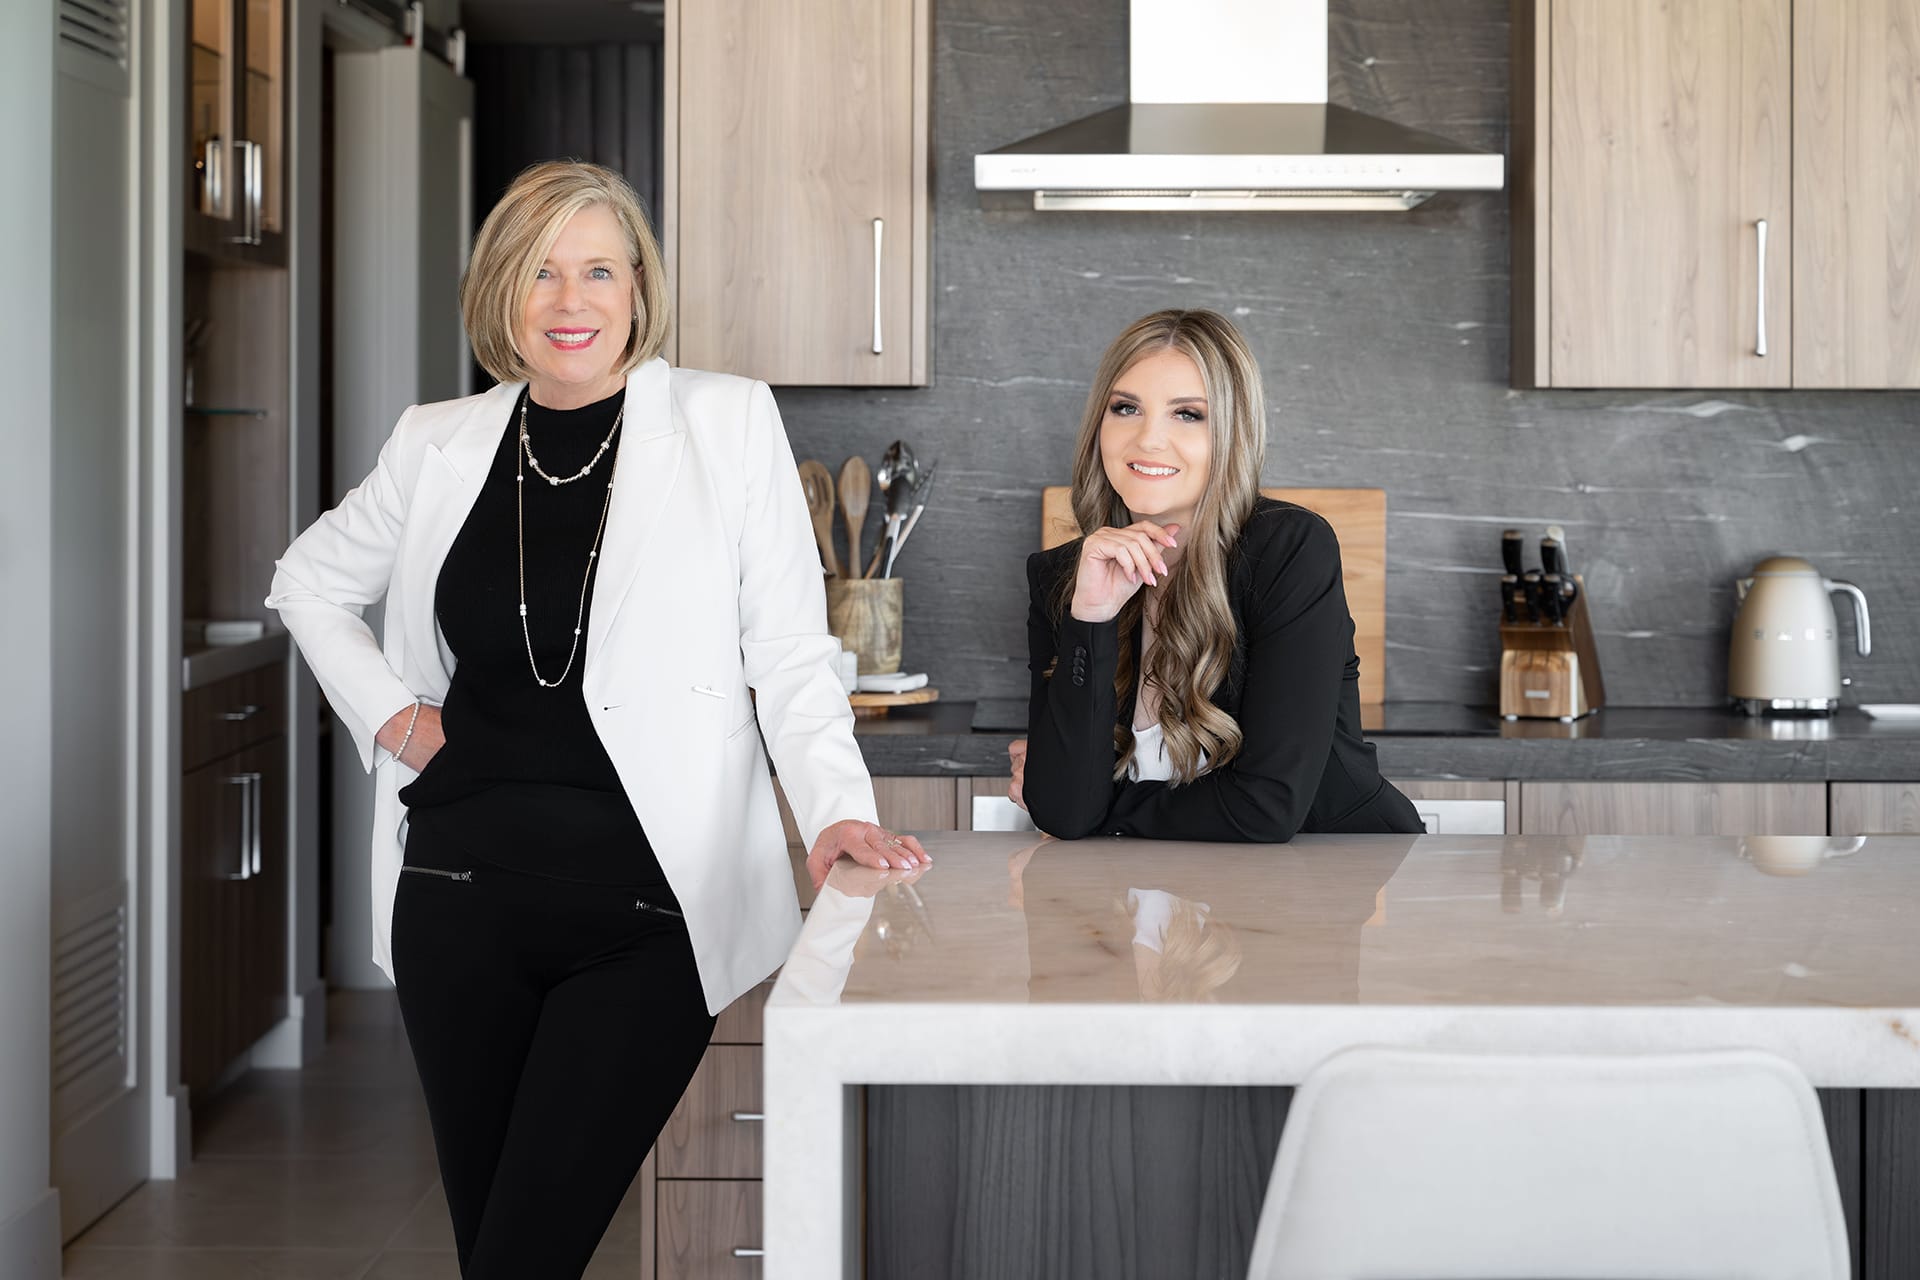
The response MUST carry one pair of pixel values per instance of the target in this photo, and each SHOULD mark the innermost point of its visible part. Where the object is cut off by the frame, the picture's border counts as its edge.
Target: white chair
(1408, 1165)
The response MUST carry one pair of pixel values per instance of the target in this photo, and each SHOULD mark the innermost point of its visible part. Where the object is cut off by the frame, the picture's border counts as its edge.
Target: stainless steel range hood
(1265, 138)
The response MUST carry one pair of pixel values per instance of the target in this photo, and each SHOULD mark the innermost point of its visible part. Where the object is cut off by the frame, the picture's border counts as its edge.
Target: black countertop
(1444, 740)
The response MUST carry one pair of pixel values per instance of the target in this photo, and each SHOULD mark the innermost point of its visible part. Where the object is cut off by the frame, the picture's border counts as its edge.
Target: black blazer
(1293, 686)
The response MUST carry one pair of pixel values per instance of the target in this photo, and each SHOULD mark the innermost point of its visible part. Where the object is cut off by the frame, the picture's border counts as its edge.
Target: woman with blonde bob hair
(1194, 676)
(599, 580)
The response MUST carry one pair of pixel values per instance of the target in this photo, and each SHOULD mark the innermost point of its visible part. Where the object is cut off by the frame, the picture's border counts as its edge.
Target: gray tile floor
(321, 1174)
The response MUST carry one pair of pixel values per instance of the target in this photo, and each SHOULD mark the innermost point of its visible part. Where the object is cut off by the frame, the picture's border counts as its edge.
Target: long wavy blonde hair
(1194, 627)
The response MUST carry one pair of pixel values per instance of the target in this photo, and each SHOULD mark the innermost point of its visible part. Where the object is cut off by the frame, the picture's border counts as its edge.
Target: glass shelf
(204, 411)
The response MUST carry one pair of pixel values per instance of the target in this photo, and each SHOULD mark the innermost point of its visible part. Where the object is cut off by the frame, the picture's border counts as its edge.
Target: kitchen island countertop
(1013, 961)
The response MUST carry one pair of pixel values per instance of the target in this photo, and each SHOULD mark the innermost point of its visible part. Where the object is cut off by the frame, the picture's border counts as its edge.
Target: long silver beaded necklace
(523, 457)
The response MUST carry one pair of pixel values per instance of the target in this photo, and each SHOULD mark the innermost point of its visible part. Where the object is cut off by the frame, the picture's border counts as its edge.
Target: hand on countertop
(867, 844)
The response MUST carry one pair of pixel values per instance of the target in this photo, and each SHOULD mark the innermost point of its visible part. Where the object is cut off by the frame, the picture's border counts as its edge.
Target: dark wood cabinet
(233, 892)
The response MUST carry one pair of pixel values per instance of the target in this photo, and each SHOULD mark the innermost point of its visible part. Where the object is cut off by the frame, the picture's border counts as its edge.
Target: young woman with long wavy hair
(1194, 676)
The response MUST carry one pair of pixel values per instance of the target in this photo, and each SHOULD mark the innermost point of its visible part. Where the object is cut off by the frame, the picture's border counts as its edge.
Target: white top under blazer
(709, 584)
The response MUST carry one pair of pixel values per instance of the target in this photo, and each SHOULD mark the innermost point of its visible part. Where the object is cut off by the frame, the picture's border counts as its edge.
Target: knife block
(1550, 672)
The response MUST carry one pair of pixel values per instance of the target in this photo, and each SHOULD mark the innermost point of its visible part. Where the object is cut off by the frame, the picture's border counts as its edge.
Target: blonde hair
(1197, 958)
(1194, 631)
(514, 242)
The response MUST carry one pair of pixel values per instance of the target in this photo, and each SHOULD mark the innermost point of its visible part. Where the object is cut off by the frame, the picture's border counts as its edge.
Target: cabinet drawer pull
(1760, 294)
(749, 1117)
(741, 1252)
(249, 784)
(879, 233)
(247, 712)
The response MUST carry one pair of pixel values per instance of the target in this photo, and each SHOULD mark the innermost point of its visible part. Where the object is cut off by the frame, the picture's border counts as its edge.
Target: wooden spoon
(856, 484)
(817, 483)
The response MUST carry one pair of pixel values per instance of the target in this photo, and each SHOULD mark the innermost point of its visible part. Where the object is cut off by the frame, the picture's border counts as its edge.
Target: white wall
(29, 1207)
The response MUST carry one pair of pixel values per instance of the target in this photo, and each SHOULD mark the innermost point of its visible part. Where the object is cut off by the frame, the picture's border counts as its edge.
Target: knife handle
(1510, 598)
(1550, 584)
(1510, 553)
(1551, 560)
(1536, 601)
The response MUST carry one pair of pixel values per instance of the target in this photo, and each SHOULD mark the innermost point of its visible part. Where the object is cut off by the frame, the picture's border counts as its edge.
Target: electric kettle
(1784, 659)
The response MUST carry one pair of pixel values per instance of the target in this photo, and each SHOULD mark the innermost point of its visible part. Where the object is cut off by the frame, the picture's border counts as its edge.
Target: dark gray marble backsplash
(1384, 339)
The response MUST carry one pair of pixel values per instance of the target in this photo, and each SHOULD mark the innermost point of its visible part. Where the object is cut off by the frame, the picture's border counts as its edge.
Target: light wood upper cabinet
(1653, 140)
(1667, 144)
(796, 189)
(1856, 186)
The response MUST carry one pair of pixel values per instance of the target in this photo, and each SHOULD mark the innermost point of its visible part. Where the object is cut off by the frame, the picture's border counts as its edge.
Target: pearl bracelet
(408, 735)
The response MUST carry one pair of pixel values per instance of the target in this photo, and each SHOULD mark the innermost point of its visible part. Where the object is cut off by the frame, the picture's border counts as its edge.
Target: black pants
(555, 1025)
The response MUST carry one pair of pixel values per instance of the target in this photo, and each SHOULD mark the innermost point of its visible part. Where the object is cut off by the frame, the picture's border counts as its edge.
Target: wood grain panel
(1841, 1111)
(1873, 808)
(1890, 1184)
(1673, 808)
(701, 1224)
(1359, 520)
(1671, 137)
(1067, 1183)
(740, 1022)
(1424, 789)
(1856, 193)
(234, 522)
(797, 127)
(702, 1139)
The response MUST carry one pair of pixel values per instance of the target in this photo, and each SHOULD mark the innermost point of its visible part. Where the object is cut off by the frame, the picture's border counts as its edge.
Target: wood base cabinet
(233, 870)
(1874, 808)
(1673, 808)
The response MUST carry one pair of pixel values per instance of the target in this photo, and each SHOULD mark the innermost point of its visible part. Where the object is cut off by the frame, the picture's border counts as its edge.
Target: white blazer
(709, 585)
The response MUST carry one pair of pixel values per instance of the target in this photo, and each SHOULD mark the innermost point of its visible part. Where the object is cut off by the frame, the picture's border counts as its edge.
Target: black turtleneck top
(523, 780)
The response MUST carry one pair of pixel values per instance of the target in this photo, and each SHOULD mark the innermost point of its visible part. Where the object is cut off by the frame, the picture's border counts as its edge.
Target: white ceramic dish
(1892, 710)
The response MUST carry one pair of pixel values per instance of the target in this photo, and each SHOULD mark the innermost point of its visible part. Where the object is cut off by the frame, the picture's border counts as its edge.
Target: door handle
(1760, 294)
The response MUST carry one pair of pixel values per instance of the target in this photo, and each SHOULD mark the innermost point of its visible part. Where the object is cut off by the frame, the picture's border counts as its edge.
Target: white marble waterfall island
(1128, 962)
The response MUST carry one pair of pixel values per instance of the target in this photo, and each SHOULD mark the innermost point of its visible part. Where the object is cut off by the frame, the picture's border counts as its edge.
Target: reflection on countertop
(1000, 918)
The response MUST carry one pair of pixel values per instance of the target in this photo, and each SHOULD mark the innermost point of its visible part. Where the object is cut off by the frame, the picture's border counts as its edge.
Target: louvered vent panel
(90, 998)
(97, 26)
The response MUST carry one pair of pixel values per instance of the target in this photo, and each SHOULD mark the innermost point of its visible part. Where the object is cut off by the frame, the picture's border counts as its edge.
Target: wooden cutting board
(1359, 520)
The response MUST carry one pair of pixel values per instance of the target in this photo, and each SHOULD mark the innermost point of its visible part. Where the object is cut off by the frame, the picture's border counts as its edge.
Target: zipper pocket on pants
(641, 904)
(435, 871)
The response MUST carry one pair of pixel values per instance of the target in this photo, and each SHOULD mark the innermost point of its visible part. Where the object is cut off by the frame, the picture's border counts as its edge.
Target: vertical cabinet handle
(256, 191)
(879, 234)
(255, 791)
(249, 784)
(248, 160)
(1760, 295)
